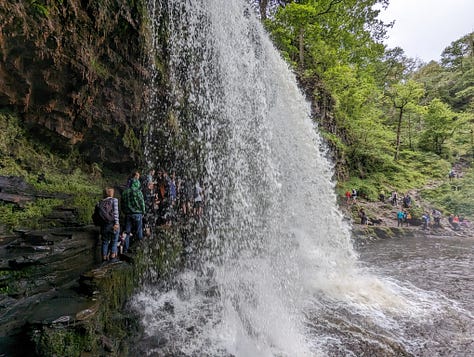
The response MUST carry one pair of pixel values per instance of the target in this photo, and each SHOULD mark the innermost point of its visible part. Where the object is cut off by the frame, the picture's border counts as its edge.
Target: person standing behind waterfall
(198, 200)
(133, 205)
(106, 215)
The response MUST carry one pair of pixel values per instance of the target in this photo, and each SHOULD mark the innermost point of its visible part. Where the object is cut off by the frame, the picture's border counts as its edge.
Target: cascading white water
(278, 248)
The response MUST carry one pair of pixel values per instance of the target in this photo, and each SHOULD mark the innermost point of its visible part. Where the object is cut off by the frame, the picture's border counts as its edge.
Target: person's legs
(106, 238)
(128, 230)
(113, 244)
(138, 223)
(105, 248)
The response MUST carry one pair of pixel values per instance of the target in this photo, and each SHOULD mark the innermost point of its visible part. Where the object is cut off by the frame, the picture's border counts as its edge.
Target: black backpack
(103, 212)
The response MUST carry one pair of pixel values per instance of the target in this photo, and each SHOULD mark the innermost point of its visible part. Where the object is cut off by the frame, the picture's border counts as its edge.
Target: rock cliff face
(75, 72)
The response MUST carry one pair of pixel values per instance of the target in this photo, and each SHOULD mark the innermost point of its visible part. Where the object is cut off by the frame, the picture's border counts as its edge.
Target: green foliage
(30, 215)
(62, 342)
(9, 279)
(429, 165)
(455, 56)
(413, 170)
(454, 196)
(21, 156)
(84, 190)
(370, 189)
(131, 141)
(320, 33)
(439, 126)
(40, 7)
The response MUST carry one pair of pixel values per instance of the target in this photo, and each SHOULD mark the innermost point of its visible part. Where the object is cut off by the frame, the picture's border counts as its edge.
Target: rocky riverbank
(56, 296)
(383, 224)
(59, 300)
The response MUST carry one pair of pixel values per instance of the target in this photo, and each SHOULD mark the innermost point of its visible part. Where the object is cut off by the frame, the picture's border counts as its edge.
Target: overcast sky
(424, 28)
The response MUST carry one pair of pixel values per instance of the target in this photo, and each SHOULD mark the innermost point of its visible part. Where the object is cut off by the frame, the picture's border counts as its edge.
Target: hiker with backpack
(106, 216)
(133, 205)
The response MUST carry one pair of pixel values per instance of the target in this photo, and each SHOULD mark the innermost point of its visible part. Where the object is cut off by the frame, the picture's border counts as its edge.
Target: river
(440, 270)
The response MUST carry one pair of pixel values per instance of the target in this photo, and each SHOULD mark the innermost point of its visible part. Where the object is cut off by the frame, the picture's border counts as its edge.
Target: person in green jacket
(133, 205)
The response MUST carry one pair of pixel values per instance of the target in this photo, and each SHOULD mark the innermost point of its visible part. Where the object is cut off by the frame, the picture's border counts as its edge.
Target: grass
(412, 170)
(454, 197)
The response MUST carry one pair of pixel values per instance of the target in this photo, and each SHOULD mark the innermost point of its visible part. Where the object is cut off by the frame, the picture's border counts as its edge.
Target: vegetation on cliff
(73, 84)
(74, 74)
(57, 180)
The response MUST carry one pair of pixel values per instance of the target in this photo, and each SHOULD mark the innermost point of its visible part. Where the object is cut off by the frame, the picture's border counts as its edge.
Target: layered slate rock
(58, 299)
(74, 72)
(37, 271)
(14, 190)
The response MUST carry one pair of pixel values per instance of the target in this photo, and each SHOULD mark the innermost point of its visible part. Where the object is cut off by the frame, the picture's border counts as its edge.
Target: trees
(459, 54)
(265, 7)
(368, 98)
(402, 95)
(349, 27)
(440, 123)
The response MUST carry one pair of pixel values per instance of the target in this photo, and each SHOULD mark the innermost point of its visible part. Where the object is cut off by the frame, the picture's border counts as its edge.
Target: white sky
(424, 28)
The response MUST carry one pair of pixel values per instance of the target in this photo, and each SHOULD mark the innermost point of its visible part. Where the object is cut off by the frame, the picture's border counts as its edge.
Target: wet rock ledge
(58, 299)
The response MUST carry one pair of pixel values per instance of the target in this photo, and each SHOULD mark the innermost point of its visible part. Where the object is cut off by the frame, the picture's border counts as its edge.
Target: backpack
(103, 212)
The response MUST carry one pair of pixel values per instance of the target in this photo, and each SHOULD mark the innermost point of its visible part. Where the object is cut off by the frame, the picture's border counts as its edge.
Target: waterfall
(276, 244)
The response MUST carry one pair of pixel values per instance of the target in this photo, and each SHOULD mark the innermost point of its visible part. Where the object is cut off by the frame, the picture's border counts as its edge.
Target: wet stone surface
(39, 271)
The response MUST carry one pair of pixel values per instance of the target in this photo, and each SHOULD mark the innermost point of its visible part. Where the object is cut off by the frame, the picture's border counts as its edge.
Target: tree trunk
(399, 128)
(263, 9)
(301, 47)
(472, 142)
(409, 132)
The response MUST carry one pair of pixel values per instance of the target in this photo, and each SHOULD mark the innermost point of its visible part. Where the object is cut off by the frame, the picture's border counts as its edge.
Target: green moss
(11, 280)
(161, 257)
(380, 232)
(40, 8)
(130, 140)
(30, 216)
(52, 342)
(454, 196)
(21, 156)
(99, 68)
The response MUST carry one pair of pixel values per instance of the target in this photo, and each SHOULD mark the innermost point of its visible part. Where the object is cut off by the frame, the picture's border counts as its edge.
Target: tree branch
(328, 9)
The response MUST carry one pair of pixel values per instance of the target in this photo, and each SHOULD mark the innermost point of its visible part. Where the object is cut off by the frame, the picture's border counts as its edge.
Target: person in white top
(198, 200)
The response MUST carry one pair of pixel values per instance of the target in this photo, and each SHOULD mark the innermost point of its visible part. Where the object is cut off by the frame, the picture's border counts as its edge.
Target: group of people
(145, 202)
(457, 222)
(403, 217)
(454, 220)
(351, 196)
(168, 198)
(403, 214)
(395, 199)
(107, 217)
